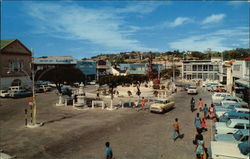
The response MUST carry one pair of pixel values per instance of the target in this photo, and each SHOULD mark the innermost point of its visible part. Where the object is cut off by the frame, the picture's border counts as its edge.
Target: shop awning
(243, 83)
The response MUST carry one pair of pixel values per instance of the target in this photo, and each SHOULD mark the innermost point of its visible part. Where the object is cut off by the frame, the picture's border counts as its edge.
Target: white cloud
(213, 18)
(217, 41)
(179, 21)
(98, 26)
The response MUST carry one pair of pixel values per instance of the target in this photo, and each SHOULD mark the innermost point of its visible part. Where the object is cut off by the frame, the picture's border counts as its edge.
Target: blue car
(233, 115)
(227, 106)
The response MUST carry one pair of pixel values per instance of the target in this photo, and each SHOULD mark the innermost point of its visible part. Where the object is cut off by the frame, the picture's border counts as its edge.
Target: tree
(59, 75)
(168, 73)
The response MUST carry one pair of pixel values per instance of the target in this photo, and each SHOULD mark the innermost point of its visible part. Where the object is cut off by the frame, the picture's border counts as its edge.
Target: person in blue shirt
(108, 151)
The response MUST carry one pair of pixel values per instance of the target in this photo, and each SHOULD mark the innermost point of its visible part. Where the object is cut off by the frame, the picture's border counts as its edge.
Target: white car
(238, 137)
(231, 126)
(4, 93)
(192, 90)
(225, 150)
(217, 97)
(234, 99)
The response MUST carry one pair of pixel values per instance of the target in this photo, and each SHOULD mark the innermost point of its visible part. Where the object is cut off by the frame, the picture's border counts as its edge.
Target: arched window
(16, 82)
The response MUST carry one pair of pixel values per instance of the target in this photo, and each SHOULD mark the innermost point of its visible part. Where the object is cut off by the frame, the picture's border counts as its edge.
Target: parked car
(233, 115)
(234, 99)
(92, 82)
(14, 88)
(192, 90)
(217, 97)
(239, 110)
(231, 126)
(20, 94)
(4, 93)
(65, 91)
(238, 137)
(225, 150)
(227, 107)
(161, 105)
(209, 86)
(48, 88)
(186, 86)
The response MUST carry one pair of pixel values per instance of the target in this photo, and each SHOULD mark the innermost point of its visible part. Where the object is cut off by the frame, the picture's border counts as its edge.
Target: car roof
(238, 113)
(243, 109)
(245, 121)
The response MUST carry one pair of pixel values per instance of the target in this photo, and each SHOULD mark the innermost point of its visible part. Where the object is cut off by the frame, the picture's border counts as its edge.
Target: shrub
(162, 87)
(129, 93)
(146, 85)
(155, 93)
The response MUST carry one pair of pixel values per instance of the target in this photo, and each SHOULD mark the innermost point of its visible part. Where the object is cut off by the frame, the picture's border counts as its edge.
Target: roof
(247, 58)
(6, 42)
(240, 121)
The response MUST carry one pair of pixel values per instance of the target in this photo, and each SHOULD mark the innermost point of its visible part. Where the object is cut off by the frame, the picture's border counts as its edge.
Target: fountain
(80, 97)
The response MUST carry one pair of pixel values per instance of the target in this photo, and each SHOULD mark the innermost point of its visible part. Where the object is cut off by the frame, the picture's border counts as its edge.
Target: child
(176, 126)
(203, 124)
(108, 151)
(200, 104)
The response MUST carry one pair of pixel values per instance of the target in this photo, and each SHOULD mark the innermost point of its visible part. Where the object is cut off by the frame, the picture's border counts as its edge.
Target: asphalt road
(81, 134)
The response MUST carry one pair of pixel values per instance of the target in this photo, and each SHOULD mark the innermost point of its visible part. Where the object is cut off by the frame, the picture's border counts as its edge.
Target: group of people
(142, 101)
(200, 125)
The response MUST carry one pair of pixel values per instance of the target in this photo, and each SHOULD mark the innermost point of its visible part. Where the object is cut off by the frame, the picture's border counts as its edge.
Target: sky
(83, 29)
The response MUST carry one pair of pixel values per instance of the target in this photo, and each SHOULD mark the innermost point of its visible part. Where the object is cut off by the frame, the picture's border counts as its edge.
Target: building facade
(139, 68)
(202, 69)
(87, 67)
(15, 64)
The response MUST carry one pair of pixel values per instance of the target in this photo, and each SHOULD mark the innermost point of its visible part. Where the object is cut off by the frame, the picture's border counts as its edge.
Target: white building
(202, 69)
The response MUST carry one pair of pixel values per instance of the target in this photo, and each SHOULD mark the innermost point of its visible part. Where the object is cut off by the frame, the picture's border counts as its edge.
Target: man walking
(176, 127)
(192, 104)
(142, 103)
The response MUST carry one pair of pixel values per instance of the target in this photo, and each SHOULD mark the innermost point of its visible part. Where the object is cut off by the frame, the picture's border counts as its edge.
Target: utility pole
(173, 67)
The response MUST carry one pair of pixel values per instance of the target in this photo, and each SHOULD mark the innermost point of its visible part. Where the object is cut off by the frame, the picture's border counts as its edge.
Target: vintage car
(238, 137)
(192, 90)
(233, 115)
(232, 99)
(20, 94)
(220, 112)
(227, 107)
(217, 97)
(4, 93)
(231, 126)
(161, 106)
(225, 150)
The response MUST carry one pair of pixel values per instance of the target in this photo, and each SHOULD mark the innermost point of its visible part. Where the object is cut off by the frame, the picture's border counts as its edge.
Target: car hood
(226, 149)
(157, 105)
(224, 137)
(220, 125)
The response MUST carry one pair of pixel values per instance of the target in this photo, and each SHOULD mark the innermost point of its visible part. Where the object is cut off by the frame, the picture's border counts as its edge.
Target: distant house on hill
(15, 62)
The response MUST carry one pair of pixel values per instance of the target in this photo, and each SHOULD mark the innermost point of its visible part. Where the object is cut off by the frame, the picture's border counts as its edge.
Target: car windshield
(238, 135)
(160, 102)
(192, 87)
(228, 123)
(244, 147)
(4, 91)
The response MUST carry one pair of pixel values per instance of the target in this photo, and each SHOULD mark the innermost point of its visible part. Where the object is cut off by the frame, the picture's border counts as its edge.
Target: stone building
(15, 64)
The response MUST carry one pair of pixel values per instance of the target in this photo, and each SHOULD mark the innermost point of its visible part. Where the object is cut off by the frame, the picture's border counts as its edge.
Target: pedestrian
(205, 111)
(197, 122)
(200, 149)
(211, 111)
(192, 103)
(200, 104)
(203, 124)
(198, 136)
(176, 126)
(108, 151)
(142, 103)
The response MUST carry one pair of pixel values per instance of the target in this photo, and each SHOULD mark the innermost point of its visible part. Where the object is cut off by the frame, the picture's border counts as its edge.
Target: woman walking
(211, 111)
(200, 104)
(205, 111)
(197, 122)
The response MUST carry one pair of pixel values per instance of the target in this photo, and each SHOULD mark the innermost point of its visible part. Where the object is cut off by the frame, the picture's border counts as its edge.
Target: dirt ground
(81, 134)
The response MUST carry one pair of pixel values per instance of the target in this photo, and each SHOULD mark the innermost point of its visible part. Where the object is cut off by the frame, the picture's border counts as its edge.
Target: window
(199, 75)
(194, 67)
(236, 67)
(199, 67)
(239, 126)
(210, 67)
(205, 67)
(216, 68)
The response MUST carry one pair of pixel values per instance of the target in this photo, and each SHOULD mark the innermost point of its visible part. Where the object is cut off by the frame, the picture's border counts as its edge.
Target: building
(88, 67)
(139, 68)
(240, 78)
(15, 64)
(202, 69)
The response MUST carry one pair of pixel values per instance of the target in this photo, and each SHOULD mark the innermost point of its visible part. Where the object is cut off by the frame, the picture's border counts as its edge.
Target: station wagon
(231, 126)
